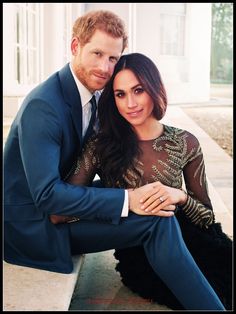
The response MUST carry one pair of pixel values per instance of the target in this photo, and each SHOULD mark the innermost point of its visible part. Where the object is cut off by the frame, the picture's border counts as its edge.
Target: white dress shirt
(85, 96)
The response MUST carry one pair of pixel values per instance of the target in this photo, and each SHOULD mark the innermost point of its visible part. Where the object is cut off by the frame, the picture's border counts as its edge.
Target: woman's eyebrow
(121, 90)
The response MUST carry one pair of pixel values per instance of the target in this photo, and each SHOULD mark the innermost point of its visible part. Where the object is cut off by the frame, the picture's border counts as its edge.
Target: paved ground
(217, 121)
(99, 288)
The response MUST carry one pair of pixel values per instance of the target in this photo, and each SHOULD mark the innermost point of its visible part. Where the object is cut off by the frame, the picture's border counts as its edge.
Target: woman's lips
(134, 113)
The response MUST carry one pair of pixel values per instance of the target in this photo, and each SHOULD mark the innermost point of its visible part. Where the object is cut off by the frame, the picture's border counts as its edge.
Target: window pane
(32, 35)
(26, 43)
(172, 29)
(21, 66)
(32, 64)
(67, 31)
(176, 8)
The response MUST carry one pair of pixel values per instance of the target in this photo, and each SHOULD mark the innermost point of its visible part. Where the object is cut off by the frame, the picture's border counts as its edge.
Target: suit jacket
(42, 145)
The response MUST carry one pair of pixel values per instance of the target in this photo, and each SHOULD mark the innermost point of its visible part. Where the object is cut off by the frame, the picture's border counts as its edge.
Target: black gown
(175, 158)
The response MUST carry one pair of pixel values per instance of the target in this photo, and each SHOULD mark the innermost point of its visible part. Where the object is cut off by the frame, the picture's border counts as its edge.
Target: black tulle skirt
(212, 250)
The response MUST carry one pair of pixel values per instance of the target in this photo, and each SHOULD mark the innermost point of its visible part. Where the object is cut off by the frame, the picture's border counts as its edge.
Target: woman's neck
(149, 132)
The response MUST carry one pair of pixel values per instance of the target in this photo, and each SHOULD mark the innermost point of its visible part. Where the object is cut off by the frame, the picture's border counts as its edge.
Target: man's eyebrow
(117, 57)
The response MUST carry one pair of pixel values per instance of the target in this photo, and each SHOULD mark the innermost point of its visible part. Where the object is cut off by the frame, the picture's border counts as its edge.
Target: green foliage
(222, 43)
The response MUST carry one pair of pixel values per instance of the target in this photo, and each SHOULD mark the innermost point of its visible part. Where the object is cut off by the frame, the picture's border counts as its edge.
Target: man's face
(94, 63)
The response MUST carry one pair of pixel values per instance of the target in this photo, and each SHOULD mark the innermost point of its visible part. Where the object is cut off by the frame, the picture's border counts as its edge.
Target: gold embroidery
(165, 159)
(175, 144)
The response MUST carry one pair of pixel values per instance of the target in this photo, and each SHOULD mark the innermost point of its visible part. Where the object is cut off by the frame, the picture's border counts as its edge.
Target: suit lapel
(72, 98)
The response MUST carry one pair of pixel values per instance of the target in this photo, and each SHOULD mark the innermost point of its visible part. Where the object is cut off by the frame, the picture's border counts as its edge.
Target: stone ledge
(30, 289)
(222, 213)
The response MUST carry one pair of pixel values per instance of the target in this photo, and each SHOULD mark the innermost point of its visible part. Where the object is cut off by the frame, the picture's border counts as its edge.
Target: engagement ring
(161, 199)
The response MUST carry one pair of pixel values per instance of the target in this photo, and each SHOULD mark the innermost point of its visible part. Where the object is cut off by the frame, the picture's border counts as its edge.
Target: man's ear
(74, 45)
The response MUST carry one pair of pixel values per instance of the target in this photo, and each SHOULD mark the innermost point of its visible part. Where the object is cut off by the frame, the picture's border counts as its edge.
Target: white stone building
(176, 36)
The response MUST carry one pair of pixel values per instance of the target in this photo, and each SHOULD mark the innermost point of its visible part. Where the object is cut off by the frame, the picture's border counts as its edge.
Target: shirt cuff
(125, 210)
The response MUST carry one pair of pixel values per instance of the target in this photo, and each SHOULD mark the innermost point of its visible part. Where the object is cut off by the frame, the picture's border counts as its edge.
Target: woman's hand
(148, 193)
(161, 197)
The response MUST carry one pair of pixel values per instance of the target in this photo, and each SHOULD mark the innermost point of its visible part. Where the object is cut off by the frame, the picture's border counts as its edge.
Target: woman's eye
(139, 90)
(119, 95)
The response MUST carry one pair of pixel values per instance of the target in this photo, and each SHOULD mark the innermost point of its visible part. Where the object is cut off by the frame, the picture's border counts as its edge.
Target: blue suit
(43, 143)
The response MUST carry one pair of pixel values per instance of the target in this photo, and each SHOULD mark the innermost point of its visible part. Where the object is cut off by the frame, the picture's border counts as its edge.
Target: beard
(88, 79)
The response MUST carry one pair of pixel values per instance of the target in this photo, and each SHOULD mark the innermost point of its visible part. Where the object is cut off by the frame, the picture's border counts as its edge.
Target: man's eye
(113, 59)
(97, 53)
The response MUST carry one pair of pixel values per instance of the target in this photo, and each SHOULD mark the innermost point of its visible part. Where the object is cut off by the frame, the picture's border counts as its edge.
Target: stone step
(30, 289)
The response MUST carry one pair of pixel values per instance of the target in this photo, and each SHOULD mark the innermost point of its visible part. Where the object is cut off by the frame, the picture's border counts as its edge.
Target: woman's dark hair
(117, 146)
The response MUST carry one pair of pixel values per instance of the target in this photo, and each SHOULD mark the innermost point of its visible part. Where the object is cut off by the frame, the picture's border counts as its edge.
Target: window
(67, 31)
(26, 43)
(172, 32)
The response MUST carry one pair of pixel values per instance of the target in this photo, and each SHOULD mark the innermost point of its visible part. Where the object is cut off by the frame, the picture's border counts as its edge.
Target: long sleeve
(175, 155)
(198, 207)
(86, 166)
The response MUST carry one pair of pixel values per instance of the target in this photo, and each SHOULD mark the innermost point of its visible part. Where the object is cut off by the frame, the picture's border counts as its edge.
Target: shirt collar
(85, 94)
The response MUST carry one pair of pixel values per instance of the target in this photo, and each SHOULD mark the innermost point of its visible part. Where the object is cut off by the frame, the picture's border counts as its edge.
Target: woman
(133, 148)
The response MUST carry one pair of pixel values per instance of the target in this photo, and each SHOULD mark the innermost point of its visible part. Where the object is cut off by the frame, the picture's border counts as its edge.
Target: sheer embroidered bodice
(174, 158)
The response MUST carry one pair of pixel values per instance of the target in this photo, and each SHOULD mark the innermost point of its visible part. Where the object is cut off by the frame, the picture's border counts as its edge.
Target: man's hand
(148, 193)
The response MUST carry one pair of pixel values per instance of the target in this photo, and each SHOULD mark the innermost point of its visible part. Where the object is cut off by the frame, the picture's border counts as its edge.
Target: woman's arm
(86, 166)
(195, 202)
(198, 207)
(82, 173)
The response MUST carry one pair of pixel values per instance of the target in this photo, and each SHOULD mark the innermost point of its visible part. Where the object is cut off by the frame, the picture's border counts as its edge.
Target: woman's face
(132, 101)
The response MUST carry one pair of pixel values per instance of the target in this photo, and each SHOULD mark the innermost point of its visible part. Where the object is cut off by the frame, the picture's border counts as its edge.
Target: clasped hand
(155, 199)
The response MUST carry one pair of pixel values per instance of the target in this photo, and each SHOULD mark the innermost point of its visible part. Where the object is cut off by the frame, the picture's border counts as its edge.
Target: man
(44, 141)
